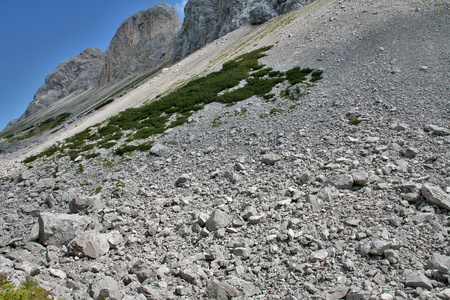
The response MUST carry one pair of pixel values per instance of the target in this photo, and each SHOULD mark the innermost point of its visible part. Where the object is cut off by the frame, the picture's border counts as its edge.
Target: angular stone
(440, 262)
(90, 244)
(360, 177)
(183, 180)
(218, 219)
(220, 290)
(114, 238)
(411, 152)
(437, 130)
(57, 273)
(379, 246)
(60, 229)
(85, 204)
(342, 181)
(436, 195)
(105, 288)
(159, 150)
(143, 271)
(270, 158)
(319, 255)
(242, 252)
(256, 219)
(248, 212)
(417, 279)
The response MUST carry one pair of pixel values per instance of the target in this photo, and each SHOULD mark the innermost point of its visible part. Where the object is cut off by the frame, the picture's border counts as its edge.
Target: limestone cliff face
(207, 20)
(78, 73)
(151, 39)
(144, 41)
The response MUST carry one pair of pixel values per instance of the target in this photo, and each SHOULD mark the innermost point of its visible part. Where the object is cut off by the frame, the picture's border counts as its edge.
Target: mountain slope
(336, 189)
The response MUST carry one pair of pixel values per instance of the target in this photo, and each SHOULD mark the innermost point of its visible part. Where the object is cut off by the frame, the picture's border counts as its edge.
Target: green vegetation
(173, 109)
(274, 111)
(27, 290)
(354, 121)
(97, 191)
(53, 122)
(130, 148)
(103, 104)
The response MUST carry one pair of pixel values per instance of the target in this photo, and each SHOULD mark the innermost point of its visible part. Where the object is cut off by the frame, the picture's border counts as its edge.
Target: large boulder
(59, 229)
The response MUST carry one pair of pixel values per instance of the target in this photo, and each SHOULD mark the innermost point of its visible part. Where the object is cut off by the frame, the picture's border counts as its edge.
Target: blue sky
(37, 35)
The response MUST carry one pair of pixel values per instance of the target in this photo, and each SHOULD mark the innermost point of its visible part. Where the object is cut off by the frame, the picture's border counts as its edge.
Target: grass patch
(130, 148)
(274, 111)
(53, 122)
(29, 289)
(173, 109)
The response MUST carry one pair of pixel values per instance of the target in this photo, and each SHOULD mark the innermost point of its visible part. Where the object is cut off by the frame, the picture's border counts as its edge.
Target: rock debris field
(281, 199)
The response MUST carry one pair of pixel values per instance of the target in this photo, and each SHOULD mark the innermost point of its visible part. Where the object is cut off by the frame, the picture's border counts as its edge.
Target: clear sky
(35, 36)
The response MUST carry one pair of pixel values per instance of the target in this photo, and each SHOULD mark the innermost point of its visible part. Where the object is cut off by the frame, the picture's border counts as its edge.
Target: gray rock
(114, 239)
(207, 20)
(270, 158)
(242, 252)
(183, 180)
(57, 273)
(220, 290)
(143, 42)
(142, 271)
(105, 288)
(417, 279)
(261, 14)
(159, 150)
(440, 262)
(437, 130)
(218, 219)
(90, 244)
(193, 274)
(378, 246)
(76, 74)
(85, 205)
(411, 152)
(60, 229)
(248, 212)
(319, 255)
(342, 181)
(360, 177)
(436, 195)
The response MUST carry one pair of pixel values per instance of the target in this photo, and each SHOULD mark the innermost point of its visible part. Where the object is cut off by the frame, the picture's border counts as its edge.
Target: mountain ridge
(154, 38)
(332, 188)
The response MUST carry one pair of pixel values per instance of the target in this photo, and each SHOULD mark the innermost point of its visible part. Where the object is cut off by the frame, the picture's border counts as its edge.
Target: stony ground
(267, 200)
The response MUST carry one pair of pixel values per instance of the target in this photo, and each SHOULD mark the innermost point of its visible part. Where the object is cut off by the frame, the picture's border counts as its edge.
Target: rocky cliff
(143, 42)
(151, 39)
(78, 73)
(207, 20)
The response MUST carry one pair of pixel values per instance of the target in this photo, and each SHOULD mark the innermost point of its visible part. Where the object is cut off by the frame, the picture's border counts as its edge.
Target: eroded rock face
(143, 42)
(76, 74)
(208, 20)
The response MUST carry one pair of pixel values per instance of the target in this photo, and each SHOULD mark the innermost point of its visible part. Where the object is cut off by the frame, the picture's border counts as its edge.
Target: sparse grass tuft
(354, 121)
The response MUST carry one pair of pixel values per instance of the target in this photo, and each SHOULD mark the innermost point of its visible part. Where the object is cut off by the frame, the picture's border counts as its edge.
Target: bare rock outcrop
(143, 42)
(76, 74)
(208, 20)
